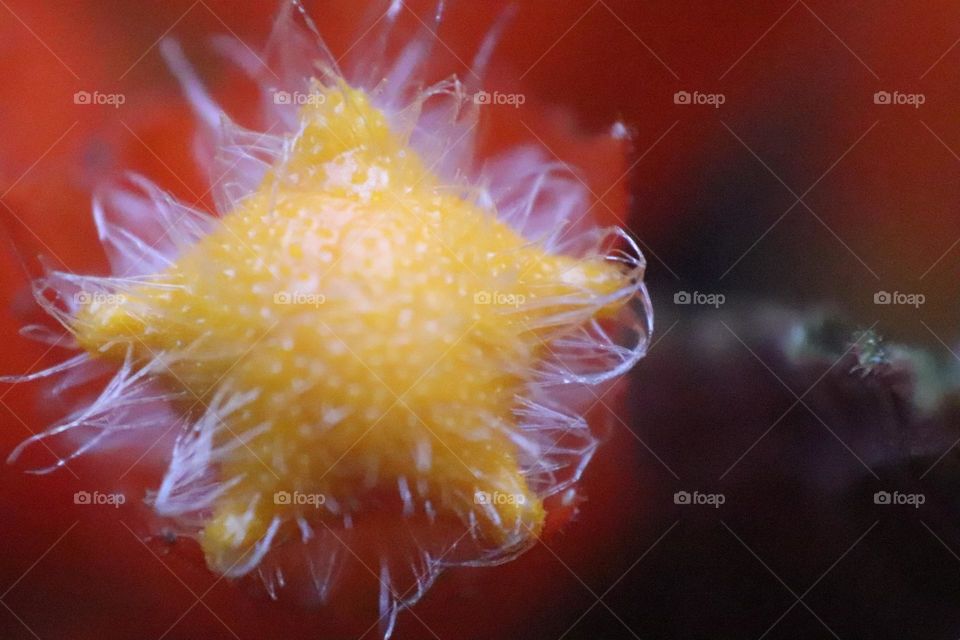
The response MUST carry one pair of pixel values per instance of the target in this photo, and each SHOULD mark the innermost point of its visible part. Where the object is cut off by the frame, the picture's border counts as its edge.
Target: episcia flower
(379, 349)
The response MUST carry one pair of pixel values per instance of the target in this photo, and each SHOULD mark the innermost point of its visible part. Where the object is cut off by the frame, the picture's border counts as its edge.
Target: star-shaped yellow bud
(356, 329)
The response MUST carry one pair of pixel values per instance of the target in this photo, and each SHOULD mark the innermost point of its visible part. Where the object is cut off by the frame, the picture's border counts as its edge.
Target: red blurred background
(798, 191)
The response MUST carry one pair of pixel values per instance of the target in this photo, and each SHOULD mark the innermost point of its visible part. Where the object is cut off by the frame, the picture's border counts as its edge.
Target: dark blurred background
(811, 194)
